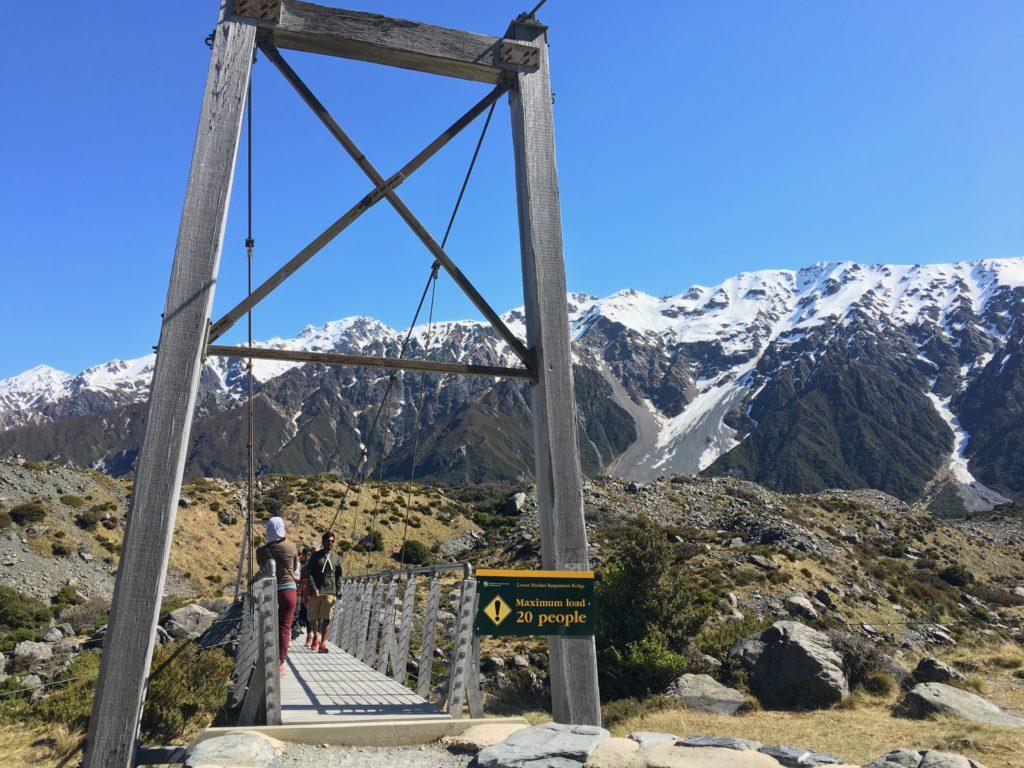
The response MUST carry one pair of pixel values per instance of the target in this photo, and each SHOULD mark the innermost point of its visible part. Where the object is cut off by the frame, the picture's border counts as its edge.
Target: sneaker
(323, 647)
(309, 640)
(315, 646)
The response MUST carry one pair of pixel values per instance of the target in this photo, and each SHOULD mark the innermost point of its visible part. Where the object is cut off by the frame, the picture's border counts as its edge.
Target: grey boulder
(647, 739)
(799, 605)
(795, 757)
(798, 669)
(548, 745)
(748, 652)
(189, 622)
(931, 670)
(252, 750)
(702, 693)
(722, 742)
(922, 758)
(929, 699)
(28, 653)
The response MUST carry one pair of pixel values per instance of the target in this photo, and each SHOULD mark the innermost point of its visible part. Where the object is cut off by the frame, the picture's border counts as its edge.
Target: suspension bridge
(401, 646)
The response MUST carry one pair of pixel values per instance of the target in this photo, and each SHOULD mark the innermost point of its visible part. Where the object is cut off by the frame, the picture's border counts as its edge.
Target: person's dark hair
(327, 535)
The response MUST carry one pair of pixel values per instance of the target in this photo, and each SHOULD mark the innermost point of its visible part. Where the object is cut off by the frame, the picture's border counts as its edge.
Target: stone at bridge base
(479, 737)
(235, 750)
(551, 745)
(616, 753)
(672, 756)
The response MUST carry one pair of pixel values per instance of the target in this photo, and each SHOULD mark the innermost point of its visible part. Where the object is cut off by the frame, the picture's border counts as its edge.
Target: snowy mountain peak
(723, 330)
(36, 379)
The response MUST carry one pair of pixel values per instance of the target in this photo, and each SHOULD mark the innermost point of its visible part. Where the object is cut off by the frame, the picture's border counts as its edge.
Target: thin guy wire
(430, 329)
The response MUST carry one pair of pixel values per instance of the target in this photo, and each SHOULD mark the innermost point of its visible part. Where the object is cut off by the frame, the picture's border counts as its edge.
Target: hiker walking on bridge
(286, 556)
(323, 585)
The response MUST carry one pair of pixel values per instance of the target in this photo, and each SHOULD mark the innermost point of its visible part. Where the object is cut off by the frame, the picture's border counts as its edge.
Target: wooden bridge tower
(516, 63)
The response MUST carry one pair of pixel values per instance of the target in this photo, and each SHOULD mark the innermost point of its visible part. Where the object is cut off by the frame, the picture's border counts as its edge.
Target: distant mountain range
(908, 379)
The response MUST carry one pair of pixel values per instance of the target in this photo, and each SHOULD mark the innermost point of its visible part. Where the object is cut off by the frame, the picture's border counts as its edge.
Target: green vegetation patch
(27, 512)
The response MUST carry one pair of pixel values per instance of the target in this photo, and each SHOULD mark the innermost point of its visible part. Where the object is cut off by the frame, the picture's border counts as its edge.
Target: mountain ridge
(696, 374)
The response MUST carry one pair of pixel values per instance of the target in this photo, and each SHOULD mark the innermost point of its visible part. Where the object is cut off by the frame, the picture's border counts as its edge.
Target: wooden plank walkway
(336, 687)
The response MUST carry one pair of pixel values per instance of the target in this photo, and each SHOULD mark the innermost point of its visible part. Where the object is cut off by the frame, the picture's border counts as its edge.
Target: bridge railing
(256, 690)
(424, 615)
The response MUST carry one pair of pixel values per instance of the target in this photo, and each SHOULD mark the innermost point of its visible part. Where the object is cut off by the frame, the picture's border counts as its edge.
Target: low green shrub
(956, 575)
(5, 519)
(18, 611)
(415, 552)
(59, 549)
(186, 689)
(719, 639)
(617, 712)
(27, 512)
(72, 501)
(880, 684)
(66, 595)
(647, 611)
(86, 617)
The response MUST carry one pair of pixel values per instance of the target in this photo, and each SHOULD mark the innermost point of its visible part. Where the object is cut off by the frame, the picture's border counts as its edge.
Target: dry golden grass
(39, 747)
(207, 550)
(858, 734)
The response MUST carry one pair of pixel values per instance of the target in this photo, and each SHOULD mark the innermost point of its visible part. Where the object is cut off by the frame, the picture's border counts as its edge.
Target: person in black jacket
(323, 585)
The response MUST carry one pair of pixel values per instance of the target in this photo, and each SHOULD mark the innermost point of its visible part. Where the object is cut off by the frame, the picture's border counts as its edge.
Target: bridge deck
(336, 687)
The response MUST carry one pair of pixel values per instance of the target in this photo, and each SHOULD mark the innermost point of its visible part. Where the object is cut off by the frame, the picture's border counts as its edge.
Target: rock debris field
(548, 745)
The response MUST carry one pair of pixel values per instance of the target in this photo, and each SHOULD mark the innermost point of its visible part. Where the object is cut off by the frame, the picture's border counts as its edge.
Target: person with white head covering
(286, 557)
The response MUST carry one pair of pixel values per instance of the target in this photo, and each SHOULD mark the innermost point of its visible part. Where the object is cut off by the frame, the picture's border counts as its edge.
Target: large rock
(702, 693)
(548, 745)
(647, 739)
(27, 654)
(673, 756)
(189, 622)
(800, 605)
(53, 635)
(515, 503)
(929, 699)
(479, 737)
(748, 652)
(724, 742)
(922, 758)
(796, 757)
(798, 669)
(616, 753)
(251, 750)
(931, 670)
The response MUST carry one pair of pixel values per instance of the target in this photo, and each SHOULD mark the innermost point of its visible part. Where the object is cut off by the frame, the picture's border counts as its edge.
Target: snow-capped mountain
(836, 374)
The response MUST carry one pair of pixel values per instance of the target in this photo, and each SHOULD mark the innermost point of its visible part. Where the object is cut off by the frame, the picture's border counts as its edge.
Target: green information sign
(522, 603)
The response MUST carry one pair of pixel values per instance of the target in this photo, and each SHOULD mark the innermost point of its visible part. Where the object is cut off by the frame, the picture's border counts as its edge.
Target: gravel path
(428, 756)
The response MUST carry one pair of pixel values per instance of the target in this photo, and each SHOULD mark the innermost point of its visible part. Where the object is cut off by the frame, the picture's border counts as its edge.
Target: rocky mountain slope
(906, 379)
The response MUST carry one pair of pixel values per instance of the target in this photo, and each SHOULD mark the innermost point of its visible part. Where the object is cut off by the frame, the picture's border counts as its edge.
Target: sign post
(521, 603)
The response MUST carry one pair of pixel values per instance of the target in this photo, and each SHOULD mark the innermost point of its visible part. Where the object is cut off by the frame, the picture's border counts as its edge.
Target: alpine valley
(906, 379)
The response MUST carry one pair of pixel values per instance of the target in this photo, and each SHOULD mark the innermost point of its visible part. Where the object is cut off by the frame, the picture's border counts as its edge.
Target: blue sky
(695, 140)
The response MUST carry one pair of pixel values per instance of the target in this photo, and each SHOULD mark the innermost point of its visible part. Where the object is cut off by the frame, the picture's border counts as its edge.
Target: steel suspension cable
(430, 329)
(250, 244)
(385, 403)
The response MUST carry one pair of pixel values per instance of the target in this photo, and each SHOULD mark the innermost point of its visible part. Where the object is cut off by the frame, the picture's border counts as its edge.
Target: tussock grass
(857, 733)
(50, 747)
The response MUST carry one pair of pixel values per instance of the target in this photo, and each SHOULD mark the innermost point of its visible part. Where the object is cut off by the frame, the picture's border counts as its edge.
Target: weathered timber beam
(382, 40)
(456, 274)
(318, 243)
(139, 587)
(332, 358)
(572, 661)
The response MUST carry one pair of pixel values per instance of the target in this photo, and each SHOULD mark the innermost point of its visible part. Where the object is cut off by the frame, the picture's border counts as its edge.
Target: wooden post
(128, 649)
(573, 661)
